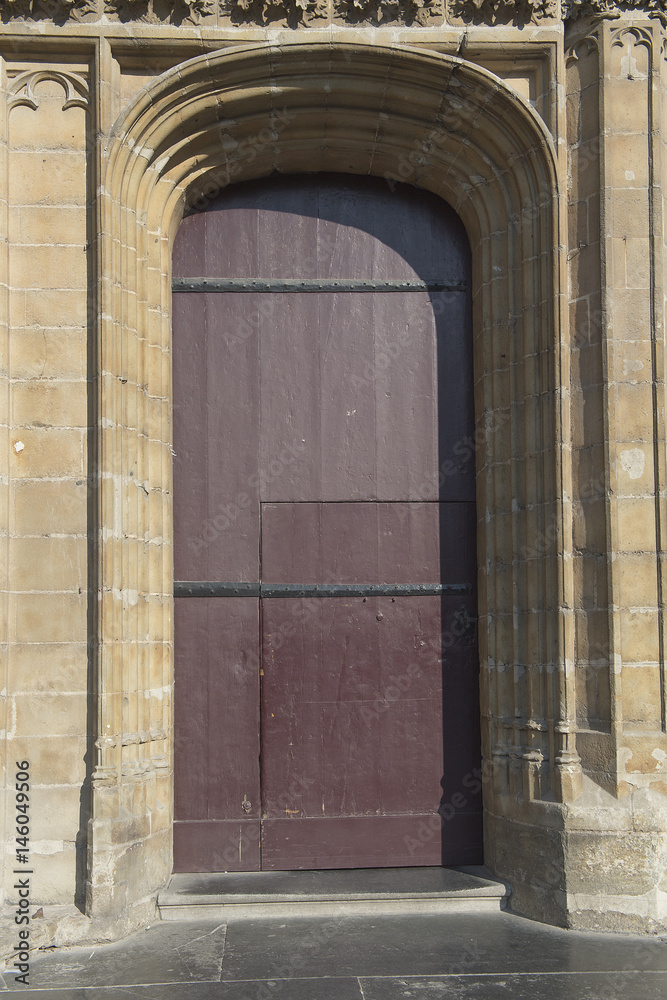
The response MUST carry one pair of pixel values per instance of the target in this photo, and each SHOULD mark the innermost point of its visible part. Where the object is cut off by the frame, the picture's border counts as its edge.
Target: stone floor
(458, 956)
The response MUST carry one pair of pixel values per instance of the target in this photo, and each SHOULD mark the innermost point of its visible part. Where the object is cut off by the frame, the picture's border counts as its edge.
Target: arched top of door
(324, 227)
(432, 120)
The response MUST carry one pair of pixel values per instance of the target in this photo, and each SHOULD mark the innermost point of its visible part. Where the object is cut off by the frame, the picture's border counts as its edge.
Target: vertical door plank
(347, 422)
(406, 397)
(189, 364)
(189, 253)
(457, 455)
(216, 746)
(287, 217)
(289, 465)
(216, 501)
(368, 543)
(232, 236)
(233, 436)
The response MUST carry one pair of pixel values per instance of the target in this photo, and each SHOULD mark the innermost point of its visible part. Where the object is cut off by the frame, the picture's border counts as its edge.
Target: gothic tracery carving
(23, 89)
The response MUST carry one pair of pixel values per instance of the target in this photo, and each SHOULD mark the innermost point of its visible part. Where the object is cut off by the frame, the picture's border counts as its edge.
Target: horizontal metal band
(312, 285)
(211, 589)
(203, 589)
(362, 589)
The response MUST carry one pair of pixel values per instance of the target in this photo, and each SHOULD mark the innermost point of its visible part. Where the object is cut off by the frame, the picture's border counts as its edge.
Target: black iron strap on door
(312, 285)
(212, 589)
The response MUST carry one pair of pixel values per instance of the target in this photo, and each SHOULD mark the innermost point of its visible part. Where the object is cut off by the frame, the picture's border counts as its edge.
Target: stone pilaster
(615, 116)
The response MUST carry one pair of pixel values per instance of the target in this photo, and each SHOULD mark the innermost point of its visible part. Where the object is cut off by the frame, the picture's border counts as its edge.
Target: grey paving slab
(427, 946)
(555, 986)
(461, 956)
(293, 989)
(166, 953)
(552, 986)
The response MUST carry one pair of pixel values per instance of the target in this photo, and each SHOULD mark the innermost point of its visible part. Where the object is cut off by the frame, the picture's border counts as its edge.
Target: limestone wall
(47, 363)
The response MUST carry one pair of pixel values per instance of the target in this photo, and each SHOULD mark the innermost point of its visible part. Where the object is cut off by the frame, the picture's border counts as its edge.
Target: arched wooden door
(327, 712)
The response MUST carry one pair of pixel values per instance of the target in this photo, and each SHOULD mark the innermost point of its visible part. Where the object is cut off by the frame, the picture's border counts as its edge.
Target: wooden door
(327, 713)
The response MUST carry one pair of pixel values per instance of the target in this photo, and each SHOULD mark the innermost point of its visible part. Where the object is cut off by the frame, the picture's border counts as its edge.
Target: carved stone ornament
(199, 8)
(574, 9)
(301, 13)
(53, 10)
(127, 10)
(504, 11)
(419, 12)
(294, 12)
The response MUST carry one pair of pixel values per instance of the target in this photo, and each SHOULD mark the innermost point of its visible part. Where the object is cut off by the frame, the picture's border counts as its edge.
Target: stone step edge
(170, 897)
(330, 909)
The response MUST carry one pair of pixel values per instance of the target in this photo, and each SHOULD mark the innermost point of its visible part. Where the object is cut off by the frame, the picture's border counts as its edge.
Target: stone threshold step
(360, 892)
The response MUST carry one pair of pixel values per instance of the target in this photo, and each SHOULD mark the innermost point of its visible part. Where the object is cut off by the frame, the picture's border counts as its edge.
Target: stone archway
(442, 124)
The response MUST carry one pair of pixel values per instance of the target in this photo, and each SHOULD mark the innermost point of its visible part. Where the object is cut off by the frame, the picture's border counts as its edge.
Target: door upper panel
(359, 395)
(323, 226)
